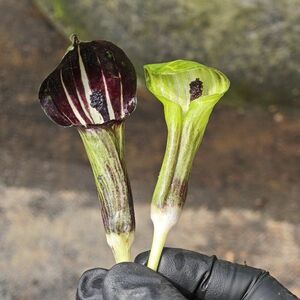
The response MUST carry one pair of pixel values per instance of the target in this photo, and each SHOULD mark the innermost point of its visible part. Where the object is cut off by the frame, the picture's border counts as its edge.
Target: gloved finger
(91, 284)
(202, 277)
(185, 269)
(129, 281)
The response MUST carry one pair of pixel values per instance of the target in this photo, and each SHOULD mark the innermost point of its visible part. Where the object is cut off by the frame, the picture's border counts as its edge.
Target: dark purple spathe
(94, 84)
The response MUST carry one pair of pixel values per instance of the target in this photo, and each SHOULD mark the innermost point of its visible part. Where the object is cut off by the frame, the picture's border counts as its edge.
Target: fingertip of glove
(90, 284)
(128, 268)
(135, 281)
(142, 258)
(268, 287)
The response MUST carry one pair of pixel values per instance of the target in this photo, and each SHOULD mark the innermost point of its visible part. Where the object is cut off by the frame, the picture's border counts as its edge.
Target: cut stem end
(121, 245)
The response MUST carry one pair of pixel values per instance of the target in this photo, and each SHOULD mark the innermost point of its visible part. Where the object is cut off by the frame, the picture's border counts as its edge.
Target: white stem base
(163, 220)
(121, 245)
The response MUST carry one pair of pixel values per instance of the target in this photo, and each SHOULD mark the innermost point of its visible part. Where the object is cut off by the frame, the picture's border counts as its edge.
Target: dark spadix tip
(196, 89)
(94, 84)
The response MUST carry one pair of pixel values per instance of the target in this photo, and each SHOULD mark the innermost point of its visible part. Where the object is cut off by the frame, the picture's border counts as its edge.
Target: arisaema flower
(94, 89)
(188, 91)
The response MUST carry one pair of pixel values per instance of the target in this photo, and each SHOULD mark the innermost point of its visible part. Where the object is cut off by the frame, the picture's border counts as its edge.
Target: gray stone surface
(43, 252)
(255, 42)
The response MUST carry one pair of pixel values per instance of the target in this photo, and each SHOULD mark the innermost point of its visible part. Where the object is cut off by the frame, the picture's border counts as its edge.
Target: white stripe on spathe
(121, 97)
(95, 115)
(87, 114)
(70, 101)
(111, 112)
(81, 102)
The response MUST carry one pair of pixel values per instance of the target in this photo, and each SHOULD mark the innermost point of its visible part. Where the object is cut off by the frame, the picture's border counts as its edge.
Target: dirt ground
(243, 202)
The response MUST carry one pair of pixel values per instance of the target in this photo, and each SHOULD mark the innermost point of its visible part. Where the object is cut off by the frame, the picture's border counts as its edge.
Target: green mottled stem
(118, 130)
(166, 174)
(189, 144)
(166, 202)
(162, 217)
(163, 220)
(105, 150)
(171, 189)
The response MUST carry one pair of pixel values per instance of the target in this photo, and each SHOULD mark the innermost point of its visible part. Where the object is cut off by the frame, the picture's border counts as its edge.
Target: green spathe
(170, 82)
(186, 120)
(188, 91)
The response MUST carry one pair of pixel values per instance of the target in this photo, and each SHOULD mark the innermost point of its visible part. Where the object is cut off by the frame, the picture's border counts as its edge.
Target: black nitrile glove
(182, 274)
(125, 281)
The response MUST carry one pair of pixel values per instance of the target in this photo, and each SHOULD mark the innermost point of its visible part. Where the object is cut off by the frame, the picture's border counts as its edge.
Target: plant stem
(163, 220)
(121, 245)
(158, 243)
(171, 153)
(105, 151)
(171, 189)
(162, 215)
(120, 140)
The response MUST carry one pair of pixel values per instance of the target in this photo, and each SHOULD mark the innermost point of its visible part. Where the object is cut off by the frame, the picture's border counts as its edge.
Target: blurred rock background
(255, 42)
(243, 202)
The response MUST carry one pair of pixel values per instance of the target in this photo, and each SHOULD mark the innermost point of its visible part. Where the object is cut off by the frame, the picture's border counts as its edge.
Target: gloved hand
(182, 274)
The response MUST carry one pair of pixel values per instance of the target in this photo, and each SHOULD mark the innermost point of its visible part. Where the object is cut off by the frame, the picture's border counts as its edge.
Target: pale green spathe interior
(170, 81)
